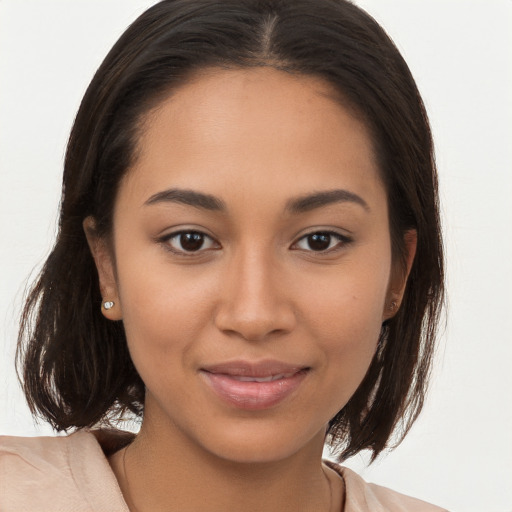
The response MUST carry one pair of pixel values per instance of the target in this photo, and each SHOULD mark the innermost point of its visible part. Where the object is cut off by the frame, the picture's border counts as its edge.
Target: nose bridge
(255, 303)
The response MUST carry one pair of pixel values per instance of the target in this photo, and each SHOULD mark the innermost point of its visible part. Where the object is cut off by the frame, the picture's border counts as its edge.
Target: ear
(104, 260)
(399, 276)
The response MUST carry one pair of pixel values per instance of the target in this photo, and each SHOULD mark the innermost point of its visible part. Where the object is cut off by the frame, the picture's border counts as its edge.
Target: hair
(74, 364)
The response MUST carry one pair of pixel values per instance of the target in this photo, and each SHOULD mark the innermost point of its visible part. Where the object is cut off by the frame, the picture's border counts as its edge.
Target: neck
(160, 471)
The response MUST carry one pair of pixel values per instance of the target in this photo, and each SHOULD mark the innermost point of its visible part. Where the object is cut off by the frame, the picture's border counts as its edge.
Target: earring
(108, 304)
(394, 305)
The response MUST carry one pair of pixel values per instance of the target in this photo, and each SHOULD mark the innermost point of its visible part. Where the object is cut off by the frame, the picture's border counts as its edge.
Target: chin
(243, 444)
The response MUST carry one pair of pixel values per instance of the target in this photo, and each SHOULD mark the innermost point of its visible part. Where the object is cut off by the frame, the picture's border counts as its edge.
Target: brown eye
(322, 241)
(189, 242)
(319, 241)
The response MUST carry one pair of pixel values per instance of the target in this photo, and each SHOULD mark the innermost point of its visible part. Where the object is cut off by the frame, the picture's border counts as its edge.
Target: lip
(254, 385)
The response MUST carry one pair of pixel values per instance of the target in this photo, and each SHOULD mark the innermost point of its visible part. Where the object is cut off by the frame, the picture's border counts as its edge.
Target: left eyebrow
(318, 199)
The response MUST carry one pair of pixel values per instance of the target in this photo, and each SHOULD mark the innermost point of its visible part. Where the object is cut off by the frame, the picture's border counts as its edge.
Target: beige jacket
(72, 474)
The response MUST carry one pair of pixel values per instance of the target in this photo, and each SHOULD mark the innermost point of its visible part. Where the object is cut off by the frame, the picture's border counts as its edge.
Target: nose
(255, 302)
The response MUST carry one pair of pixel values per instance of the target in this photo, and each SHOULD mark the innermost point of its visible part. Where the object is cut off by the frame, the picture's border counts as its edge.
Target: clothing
(72, 474)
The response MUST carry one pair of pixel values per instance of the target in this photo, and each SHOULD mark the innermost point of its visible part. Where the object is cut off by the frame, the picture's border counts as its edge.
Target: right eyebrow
(188, 197)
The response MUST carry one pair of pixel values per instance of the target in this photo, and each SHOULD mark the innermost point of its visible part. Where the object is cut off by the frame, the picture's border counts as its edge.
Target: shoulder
(55, 473)
(36, 457)
(361, 496)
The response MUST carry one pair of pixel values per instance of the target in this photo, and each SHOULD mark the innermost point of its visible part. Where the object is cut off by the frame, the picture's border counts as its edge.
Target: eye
(189, 242)
(322, 241)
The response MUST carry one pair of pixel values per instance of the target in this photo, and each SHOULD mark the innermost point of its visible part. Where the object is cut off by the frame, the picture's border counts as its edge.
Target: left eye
(190, 241)
(321, 241)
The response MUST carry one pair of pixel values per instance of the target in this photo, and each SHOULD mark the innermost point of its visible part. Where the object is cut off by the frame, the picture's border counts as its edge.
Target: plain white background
(459, 454)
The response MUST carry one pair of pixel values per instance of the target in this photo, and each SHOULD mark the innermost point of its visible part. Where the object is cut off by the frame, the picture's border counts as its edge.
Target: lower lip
(253, 395)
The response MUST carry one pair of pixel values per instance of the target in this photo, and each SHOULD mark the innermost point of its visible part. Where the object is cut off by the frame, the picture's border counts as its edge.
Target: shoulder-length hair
(75, 365)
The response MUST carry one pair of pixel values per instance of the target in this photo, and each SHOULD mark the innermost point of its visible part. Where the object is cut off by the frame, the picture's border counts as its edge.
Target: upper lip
(258, 369)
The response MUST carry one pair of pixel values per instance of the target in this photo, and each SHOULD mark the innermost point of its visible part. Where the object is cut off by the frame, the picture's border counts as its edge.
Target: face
(252, 262)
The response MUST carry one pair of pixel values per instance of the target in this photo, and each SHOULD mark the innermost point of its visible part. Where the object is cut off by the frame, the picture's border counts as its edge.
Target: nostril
(255, 327)
(253, 304)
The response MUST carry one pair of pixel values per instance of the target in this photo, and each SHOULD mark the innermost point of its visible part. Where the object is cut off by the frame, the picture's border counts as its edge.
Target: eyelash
(343, 240)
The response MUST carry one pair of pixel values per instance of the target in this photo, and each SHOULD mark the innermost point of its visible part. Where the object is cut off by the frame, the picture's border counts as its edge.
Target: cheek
(344, 316)
(350, 300)
(164, 310)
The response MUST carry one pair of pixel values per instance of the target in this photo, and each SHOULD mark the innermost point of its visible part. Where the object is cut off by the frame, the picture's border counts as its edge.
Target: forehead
(251, 128)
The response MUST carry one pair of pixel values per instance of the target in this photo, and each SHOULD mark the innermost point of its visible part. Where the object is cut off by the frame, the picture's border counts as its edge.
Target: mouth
(270, 378)
(254, 386)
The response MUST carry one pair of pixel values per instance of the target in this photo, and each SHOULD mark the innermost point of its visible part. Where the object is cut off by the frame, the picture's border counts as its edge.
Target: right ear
(104, 260)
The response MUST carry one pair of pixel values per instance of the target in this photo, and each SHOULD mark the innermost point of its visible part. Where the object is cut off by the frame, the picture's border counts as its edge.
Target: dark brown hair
(76, 368)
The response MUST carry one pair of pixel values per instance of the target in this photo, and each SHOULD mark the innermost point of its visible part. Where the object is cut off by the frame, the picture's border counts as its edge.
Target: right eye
(189, 242)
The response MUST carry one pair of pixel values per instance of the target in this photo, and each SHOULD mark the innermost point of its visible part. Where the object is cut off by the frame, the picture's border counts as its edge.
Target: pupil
(319, 241)
(191, 241)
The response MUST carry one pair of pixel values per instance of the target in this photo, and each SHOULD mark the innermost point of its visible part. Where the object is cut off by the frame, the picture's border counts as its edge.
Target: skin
(256, 139)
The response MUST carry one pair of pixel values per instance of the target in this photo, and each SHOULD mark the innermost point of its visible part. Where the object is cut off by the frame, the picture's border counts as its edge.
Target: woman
(248, 258)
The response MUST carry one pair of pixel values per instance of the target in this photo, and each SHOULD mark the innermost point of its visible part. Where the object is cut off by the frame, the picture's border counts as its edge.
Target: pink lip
(230, 382)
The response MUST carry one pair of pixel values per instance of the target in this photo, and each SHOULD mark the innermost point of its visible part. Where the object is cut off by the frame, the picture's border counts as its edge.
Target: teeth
(261, 379)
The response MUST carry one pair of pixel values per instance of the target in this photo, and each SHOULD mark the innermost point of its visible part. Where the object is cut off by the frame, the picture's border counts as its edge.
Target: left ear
(399, 276)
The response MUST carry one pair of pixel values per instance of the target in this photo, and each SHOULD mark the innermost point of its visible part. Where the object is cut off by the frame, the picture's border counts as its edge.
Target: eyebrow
(188, 197)
(324, 198)
(301, 204)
